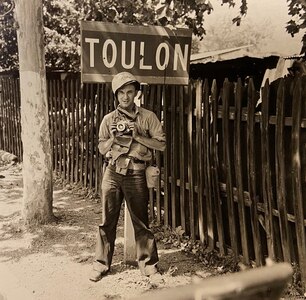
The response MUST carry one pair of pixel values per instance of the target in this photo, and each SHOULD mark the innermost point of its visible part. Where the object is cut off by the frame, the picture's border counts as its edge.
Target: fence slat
(238, 172)
(68, 128)
(200, 164)
(280, 172)
(296, 178)
(166, 156)
(215, 168)
(73, 126)
(77, 132)
(266, 172)
(149, 105)
(82, 142)
(207, 167)
(5, 115)
(97, 165)
(182, 127)
(252, 171)
(91, 127)
(52, 120)
(173, 157)
(190, 166)
(60, 127)
(158, 156)
(228, 167)
(64, 132)
(13, 116)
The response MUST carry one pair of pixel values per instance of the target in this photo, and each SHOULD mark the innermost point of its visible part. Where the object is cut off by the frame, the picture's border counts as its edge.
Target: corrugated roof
(227, 54)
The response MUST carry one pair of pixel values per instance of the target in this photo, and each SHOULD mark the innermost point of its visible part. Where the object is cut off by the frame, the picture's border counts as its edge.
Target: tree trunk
(37, 160)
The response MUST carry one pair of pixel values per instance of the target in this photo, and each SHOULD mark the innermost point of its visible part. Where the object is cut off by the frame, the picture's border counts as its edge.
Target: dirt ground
(55, 260)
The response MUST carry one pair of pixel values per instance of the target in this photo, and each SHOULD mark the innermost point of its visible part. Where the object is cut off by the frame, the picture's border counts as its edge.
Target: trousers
(131, 187)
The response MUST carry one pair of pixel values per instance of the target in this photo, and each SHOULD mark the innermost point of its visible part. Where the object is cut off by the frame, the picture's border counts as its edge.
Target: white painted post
(129, 239)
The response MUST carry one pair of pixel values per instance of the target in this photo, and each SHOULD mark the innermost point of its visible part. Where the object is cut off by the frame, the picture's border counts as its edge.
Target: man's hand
(112, 130)
(135, 130)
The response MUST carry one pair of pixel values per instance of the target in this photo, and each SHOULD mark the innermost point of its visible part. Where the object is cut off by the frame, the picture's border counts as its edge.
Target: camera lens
(120, 126)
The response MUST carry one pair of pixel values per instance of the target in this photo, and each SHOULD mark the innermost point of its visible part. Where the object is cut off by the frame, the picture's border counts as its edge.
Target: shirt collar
(130, 115)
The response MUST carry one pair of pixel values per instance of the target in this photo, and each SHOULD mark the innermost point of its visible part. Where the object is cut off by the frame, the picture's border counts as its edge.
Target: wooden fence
(233, 175)
(10, 129)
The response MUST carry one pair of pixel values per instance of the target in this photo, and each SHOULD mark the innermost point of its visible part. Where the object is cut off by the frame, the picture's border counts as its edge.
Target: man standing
(127, 137)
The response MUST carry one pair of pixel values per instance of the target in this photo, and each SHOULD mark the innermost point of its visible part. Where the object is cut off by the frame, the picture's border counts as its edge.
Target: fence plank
(73, 126)
(158, 155)
(82, 142)
(68, 127)
(56, 130)
(280, 172)
(238, 172)
(228, 167)
(60, 139)
(252, 171)
(5, 115)
(296, 177)
(190, 165)
(86, 140)
(91, 142)
(1, 116)
(215, 168)
(207, 167)
(64, 132)
(97, 165)
(182, 140)
(200, 163)
(149, 105)
(12, 115)
(52, 121)
(166, 155)
(17, 118)
(77, 132)
(8, 115)
(266, 172)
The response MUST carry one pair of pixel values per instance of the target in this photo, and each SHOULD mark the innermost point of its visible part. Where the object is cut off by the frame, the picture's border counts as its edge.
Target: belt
(129, 171)
(137, 165)
(133, 164)
(136, 160)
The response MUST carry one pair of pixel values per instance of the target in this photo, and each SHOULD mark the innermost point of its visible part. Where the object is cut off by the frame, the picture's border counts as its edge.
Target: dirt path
(55, 261)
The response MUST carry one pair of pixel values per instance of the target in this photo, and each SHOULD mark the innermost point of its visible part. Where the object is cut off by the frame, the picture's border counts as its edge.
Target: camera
(123, 127)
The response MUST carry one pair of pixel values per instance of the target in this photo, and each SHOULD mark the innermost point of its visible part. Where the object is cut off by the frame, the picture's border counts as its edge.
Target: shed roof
(226, 54)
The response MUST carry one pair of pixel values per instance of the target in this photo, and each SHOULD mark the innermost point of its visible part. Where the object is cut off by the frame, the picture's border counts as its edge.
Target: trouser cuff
(97, 266)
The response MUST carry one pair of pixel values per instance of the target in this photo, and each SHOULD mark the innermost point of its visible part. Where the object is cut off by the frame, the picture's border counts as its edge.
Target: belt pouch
(122, 164)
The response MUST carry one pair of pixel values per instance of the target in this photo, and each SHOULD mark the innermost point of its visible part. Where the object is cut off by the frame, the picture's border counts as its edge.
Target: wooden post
(129, 239)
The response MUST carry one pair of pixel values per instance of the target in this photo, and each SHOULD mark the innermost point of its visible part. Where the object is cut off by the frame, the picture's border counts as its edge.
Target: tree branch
(10, 9)
(302, 2)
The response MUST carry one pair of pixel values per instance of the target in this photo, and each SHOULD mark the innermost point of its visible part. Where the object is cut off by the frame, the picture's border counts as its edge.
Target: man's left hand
(135, 130)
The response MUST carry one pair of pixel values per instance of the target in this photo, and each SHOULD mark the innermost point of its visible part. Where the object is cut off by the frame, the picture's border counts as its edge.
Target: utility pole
(37, 158)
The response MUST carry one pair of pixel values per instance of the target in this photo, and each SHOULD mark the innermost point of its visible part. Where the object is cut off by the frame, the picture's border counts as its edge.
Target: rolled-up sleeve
(156, 129)
(104, 131)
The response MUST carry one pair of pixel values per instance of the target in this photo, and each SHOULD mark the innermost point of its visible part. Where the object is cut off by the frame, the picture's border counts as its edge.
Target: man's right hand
(113, 129)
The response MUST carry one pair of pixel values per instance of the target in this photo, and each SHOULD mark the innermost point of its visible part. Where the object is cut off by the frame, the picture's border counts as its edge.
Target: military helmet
(122, 79)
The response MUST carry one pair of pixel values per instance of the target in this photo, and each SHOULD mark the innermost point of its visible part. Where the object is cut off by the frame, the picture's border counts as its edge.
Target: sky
(273, 12)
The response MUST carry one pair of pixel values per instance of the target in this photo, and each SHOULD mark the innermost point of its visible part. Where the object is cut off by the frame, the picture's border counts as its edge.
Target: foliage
(297, 23)
(177, 238)
(8, 37)
(223, 36)
(62, 23)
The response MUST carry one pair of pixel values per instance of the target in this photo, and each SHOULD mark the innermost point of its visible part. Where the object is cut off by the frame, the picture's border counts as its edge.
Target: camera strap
(131, 116)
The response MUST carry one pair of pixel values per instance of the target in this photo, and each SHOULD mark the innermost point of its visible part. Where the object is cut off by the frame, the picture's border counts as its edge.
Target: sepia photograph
(152, 149)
